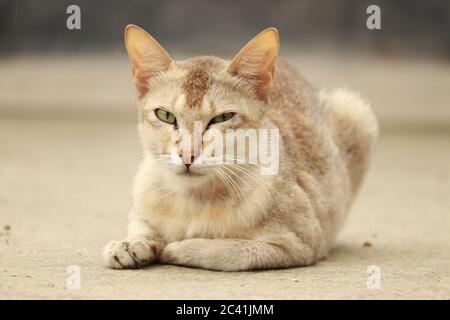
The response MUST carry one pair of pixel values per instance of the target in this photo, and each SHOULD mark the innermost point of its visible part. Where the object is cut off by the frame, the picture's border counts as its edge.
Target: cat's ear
(148, 57)
(255, 62)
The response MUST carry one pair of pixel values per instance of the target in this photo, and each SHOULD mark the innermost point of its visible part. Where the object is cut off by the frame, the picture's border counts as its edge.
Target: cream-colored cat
(229, 216)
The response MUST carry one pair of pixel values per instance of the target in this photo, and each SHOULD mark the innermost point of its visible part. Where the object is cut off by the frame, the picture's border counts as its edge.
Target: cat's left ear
(255, 63)
(148, 57)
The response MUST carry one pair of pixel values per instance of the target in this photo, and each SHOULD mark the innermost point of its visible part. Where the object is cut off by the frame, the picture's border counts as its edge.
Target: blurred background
(409, 28)
(401, 68)
(69, 149)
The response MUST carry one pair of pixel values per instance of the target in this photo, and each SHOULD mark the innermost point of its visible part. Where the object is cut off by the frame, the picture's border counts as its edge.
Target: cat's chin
(193, 176)
(193, 180)
(190, 174)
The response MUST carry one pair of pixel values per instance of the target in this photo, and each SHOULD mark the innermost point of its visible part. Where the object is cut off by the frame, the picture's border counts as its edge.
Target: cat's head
(183, 104)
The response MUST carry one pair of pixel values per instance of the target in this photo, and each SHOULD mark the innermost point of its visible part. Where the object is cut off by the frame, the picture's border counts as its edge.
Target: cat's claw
(130, 254)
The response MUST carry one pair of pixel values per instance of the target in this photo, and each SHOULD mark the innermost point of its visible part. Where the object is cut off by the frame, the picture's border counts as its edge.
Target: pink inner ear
(259, 76)
(141, 78)
(148, 58)
(140, 81)
(144, 71)
(255, 62)
(257, 68)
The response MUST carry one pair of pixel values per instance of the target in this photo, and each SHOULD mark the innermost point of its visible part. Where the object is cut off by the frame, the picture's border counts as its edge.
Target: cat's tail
(354, 129)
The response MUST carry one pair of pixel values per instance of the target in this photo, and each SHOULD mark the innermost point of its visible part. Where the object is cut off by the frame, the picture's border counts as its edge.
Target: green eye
(165, 116)
(222, 118)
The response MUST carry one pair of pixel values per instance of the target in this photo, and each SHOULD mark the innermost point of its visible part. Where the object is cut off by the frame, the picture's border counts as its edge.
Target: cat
(230, 217)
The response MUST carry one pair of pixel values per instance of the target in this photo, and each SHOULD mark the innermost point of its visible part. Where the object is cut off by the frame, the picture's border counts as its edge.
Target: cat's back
(291, 90)
(293, 106)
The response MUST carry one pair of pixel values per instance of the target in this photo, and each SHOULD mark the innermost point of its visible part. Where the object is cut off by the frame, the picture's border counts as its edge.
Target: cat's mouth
(189, 173)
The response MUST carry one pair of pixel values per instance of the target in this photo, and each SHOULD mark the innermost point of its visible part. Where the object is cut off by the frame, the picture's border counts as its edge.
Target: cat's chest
(185, 218)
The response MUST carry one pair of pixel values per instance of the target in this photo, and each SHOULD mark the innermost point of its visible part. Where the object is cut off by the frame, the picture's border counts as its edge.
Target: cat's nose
(187, 158)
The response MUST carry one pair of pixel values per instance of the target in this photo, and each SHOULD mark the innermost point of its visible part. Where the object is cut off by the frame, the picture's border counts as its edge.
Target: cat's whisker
(259, 179)
(242, 208)
(237, 184)
(231, 182)
(226, 184)
(255, 177)
(246, 183)
(240, 178)
(249, 174)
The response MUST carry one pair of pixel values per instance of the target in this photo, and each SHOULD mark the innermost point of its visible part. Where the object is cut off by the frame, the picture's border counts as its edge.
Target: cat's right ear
(148, 57)
(255, 63)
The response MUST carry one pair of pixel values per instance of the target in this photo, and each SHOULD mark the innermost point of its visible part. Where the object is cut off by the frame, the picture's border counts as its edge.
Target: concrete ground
(65, 177)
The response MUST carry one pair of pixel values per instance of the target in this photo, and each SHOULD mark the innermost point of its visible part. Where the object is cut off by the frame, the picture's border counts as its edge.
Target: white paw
(127, 254)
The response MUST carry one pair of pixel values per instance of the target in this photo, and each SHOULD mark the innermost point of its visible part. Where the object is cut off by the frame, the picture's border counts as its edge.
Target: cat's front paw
(188, 252)
(171, 253)
(130, 254)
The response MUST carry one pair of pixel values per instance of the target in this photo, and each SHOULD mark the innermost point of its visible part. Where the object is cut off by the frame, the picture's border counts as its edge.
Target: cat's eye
(165, 116)
(221, 118)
